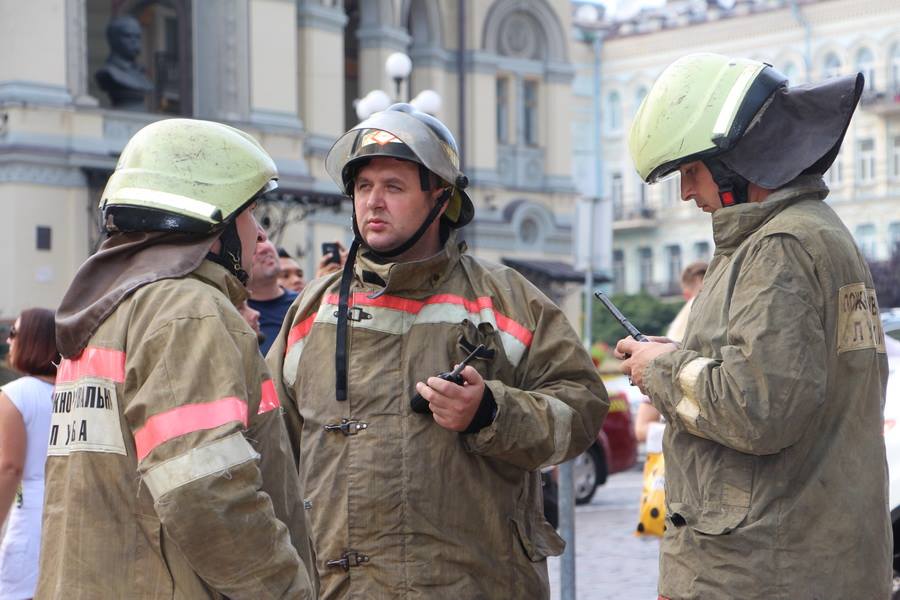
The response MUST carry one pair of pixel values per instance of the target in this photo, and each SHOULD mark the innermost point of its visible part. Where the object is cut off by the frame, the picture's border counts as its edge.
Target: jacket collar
(734, 224)
(418, 275)
(218, 276)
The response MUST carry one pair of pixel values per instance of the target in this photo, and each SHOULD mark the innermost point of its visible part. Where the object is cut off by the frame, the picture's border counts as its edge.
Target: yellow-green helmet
(185, 175)
(699, 107)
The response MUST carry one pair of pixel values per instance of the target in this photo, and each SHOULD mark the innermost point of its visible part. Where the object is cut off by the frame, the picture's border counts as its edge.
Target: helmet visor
(383, 134)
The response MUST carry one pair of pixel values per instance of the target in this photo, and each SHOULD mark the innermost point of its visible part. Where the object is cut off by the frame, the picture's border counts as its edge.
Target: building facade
(288, 72)
(655, 234)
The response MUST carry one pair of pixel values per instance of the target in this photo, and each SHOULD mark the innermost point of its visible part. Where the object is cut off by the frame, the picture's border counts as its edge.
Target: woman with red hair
(25, 409)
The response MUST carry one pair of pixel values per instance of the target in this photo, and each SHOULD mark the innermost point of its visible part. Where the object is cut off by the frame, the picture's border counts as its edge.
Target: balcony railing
(520, 167)
(633, 215)
(881, 102)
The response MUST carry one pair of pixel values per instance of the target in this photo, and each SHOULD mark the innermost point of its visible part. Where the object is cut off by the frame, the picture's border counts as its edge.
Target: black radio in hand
(420, 404)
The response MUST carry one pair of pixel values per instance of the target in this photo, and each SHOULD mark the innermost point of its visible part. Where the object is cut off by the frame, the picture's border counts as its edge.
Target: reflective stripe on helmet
(732, 101)
(173, 201)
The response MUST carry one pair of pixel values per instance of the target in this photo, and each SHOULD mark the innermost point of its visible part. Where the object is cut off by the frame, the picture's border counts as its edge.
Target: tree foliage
(649, 314)
(886, 275)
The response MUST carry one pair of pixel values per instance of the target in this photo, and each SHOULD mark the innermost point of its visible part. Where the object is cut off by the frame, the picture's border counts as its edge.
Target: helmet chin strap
(343, 311)
(733, 189)
(229, 255)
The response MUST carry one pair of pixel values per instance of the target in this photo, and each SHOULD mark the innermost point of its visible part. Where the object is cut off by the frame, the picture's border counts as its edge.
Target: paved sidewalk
(611, 563)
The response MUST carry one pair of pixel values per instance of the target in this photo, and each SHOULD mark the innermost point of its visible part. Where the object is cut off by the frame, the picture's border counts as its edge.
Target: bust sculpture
(123, 80)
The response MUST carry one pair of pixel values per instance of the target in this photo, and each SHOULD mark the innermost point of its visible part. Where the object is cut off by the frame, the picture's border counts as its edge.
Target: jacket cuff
(483, 440)
(661, 380)
(485, 414)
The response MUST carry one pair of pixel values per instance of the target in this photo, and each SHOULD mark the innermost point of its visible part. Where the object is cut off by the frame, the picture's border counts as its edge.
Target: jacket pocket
(717, 500)
(710, 520)
(538, 539)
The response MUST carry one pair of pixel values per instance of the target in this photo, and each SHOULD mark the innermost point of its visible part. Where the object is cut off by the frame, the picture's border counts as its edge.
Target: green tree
(649, 314)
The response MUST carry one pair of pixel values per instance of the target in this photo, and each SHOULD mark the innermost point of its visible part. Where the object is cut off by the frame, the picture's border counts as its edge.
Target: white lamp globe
(398, 66)
(427, 101)
(587, 15)
(362, 109)
(377, 100)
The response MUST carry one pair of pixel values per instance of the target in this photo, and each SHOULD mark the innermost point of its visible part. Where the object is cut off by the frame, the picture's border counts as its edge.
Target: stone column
(33, 67)
(221, 38)
(273, 63)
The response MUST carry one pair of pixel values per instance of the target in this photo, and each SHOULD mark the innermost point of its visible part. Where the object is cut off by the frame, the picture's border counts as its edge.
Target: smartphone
(333, 251)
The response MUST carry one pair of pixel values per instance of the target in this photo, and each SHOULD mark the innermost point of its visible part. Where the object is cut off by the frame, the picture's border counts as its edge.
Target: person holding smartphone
(776, 478)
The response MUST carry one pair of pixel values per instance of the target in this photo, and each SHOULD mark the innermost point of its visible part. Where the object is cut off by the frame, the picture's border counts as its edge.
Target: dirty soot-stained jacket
(418, 511)
(170, 472)
(776, 479)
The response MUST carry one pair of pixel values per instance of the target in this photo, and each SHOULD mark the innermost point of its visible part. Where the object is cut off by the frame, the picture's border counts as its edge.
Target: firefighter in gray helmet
(438, 498)
(776, 480)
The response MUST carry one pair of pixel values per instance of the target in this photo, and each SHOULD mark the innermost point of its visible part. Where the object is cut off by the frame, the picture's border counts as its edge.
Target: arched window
(865, 64)
(895, 68)
(613, 112)
(639, 96)
(831, 67)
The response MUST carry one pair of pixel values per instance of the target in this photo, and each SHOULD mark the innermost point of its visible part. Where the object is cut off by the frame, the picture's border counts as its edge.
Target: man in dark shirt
(266, 296)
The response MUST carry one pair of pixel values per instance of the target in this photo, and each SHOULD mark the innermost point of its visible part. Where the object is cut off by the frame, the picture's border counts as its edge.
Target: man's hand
(325, 268)
(637, 355)
(453, 406)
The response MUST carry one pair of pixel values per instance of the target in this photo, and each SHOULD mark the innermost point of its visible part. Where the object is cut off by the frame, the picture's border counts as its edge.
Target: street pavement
(611, 563)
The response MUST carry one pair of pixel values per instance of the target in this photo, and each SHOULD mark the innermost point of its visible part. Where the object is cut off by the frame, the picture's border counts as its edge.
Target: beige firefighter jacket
(776, 479)
(169, 472)
(418, 511)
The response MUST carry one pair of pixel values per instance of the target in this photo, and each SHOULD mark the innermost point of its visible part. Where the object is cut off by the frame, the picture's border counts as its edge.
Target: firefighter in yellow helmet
(418, 487)
(169, 472)
(776, 480)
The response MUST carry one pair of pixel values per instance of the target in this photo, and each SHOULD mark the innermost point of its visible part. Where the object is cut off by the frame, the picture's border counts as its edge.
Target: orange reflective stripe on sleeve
(103, 363)
(269, 397)
(188, 418)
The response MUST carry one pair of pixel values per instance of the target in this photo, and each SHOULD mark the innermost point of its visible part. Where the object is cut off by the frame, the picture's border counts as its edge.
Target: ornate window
(701, 251)
(865, 239)
(673, 260)
(831, 66)
(639, 96)
(865, 63)
(503, 110)
(895, 157)
(613, 112)
(645, 268)
(618, 270)
(895, 69)
(865, 160)
(530, 112)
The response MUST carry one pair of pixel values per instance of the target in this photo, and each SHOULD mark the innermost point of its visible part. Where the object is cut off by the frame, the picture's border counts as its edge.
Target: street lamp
(398, 66)
(590, 24)
(428, 101)
(374, 101)
(588, 20)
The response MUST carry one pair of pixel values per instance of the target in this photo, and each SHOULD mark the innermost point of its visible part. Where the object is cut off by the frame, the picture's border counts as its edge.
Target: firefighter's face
(390, 203)
(697, 184)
